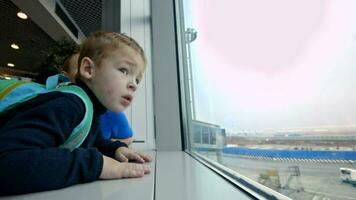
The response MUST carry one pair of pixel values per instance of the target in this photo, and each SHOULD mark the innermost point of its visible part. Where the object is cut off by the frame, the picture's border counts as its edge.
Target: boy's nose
(132, 85)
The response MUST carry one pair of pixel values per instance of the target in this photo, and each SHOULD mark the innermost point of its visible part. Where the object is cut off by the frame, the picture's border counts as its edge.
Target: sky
(277, 64)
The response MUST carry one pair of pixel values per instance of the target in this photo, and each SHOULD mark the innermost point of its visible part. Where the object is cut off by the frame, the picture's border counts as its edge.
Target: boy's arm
(127, 141)
(106, 146)
(30, 159)
(119, 150)
(35, 170)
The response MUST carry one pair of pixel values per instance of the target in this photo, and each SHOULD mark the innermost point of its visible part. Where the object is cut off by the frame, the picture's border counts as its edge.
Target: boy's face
(115, 81)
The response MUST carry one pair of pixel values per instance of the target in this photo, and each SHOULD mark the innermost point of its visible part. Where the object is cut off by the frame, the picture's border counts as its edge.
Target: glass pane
(271, 91)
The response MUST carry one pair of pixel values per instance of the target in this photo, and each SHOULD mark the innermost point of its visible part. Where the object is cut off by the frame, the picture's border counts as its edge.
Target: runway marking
(297, 159)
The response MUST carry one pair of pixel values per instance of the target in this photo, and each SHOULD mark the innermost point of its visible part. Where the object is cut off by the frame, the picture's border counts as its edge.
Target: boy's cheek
(110, 91)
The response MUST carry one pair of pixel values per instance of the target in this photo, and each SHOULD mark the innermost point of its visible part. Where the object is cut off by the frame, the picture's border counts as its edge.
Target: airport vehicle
(348, 175)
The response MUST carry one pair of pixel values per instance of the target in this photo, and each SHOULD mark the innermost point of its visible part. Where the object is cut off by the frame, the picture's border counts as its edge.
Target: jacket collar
(99, 108)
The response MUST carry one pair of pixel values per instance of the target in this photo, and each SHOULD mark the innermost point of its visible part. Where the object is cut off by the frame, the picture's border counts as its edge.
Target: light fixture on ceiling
(10, 65)
(14, 46)
(7, 78)
(22, 15)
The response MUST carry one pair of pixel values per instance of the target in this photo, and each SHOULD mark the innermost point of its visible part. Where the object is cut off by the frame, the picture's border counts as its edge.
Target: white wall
(136, 23)
(166, 83)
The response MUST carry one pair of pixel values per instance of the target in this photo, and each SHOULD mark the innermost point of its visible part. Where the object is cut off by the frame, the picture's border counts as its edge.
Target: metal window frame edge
(183, 77)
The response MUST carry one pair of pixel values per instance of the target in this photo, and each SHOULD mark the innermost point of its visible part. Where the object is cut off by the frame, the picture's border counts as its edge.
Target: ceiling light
(22, 15)
(14, 46)
(10, 65)
(6, 77)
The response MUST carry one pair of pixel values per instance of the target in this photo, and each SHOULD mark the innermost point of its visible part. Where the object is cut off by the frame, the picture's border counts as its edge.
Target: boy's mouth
(127, 99)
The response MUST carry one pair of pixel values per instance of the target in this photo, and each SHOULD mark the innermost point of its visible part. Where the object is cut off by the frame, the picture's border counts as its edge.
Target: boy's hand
(124, 154)
(113, 169)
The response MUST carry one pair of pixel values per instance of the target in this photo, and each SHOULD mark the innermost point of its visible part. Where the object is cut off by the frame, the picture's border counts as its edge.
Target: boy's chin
(117, 109)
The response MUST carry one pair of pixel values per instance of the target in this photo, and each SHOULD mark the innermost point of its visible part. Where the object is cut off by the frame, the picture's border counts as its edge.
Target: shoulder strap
(81, 131)
(13, 93)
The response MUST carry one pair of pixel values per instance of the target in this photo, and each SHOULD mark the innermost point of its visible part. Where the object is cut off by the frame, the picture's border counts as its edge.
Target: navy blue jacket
(30, 160)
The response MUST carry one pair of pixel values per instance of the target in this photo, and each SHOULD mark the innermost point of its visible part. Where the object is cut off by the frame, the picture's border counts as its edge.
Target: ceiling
(32, 40)
(87, 14)
(26, 34)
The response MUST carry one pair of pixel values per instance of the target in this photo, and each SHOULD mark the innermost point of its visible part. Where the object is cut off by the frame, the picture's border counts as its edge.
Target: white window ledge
(179, 176)
(174, 176)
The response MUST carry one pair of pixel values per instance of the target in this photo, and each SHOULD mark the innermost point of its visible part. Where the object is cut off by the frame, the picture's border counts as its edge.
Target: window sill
(174, 176)
(135, 188)
(179, 176)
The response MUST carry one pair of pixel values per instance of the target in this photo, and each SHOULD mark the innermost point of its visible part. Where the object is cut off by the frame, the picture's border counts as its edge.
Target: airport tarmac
(320, 181)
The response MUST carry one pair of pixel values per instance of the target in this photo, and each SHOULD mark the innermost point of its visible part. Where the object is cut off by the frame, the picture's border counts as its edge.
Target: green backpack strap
(14, 92)
(81, 131)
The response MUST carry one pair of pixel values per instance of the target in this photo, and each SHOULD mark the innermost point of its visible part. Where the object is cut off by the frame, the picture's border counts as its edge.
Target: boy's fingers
(135, 173)
(138, 170)
(146, 157)
(136, 157)
(122, 158)
(146, 169)
(132, 170)
(143, 168)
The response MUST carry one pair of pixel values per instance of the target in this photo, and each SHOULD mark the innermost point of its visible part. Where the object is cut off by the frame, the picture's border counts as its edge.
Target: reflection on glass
(271, 91)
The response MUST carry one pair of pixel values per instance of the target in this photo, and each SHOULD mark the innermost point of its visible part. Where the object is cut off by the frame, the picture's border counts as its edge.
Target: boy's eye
(124, 71)
(137, 81)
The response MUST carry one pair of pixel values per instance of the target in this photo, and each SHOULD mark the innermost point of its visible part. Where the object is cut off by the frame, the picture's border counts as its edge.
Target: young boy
(111, 66)
(114, 125)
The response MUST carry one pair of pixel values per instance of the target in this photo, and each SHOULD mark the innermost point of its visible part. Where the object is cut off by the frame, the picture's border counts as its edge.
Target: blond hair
(99, 44)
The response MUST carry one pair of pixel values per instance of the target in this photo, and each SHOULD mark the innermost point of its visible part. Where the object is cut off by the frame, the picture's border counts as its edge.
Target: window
(270, 91)
(205, 135)
(197, 133)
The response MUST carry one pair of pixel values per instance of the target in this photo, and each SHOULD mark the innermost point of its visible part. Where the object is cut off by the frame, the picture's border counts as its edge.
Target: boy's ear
(86, 68)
